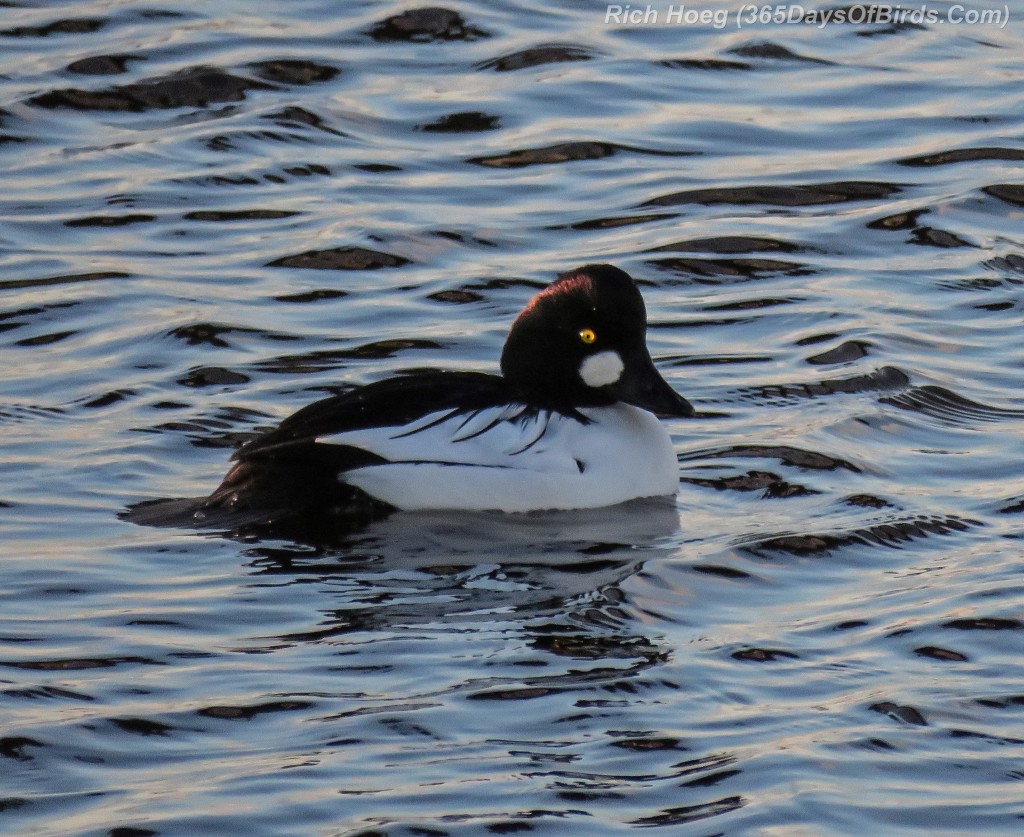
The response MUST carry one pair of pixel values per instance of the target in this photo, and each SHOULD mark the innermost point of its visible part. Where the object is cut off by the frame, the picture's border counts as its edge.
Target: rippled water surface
(213, 213)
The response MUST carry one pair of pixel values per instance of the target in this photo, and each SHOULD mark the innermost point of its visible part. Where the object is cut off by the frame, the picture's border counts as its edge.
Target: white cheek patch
(601, 369)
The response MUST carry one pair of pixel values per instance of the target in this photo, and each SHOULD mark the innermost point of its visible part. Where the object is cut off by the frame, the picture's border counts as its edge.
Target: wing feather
(394, 402)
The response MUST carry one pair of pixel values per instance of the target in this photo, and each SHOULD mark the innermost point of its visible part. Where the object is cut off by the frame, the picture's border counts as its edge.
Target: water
(215, 213)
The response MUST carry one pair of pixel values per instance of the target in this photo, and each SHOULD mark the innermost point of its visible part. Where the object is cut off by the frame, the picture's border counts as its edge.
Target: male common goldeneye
(569, 424)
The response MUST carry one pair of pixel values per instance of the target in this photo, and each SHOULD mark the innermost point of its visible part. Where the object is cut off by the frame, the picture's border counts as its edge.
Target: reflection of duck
(481, 567)
(569, 424)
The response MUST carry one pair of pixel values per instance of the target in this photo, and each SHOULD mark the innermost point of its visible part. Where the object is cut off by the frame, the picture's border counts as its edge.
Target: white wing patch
(512, 458)
(492, 437)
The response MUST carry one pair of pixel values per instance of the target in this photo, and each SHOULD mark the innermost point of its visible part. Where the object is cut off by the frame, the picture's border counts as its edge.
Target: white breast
(511, 459)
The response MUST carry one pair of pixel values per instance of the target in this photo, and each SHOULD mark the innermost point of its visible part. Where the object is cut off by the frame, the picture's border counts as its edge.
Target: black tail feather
(295, 498)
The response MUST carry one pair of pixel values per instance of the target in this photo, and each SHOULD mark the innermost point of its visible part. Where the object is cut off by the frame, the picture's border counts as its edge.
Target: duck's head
(581, 342)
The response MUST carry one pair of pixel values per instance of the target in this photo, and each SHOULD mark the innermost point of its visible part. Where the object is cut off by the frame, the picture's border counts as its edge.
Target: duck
(573, 421)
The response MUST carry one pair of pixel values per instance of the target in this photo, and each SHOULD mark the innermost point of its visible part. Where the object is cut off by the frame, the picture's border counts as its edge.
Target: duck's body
(567, 425)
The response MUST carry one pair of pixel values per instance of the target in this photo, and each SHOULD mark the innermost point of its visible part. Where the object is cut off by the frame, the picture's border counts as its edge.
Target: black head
(581, 342)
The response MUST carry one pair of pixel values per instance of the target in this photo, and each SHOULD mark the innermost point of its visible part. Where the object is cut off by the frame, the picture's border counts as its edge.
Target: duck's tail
(267, 499)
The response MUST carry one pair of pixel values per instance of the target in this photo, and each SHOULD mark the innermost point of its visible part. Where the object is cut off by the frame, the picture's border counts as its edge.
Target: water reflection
(550, 586)
(432, 568)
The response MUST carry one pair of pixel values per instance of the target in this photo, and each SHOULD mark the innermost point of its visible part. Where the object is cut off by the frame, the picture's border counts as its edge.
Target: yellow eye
(588, 336)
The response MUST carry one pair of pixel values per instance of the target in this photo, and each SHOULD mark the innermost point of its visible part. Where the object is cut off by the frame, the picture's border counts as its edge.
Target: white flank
(509, 459)
(601, 369)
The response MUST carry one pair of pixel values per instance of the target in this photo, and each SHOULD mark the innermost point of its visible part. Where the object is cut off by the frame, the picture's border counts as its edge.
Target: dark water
(214, 213)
